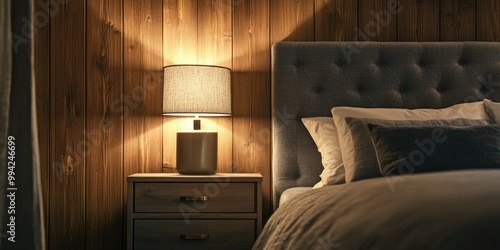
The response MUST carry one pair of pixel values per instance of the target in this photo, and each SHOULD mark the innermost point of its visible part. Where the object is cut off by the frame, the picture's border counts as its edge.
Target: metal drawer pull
(194, 236)
(194, 198)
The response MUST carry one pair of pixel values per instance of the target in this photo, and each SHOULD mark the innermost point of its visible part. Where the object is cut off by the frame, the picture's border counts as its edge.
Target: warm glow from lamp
(196, 90)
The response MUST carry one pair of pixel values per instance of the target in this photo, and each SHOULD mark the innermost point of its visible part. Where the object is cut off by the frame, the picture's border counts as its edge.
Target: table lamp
(196, 90)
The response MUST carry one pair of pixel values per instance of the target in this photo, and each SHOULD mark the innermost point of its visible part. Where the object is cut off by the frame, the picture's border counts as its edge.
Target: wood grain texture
(176, 177)
(222, 198)
(419, 21)
(215, 43)
(42, 87)
(252, 92)
(292, 20)
(104, 130)
(377, 20)
(458, 20)
(215, 34)
(223, 234)
(335, 20)
(232, 198)
(198, 32)
(488, 20)
(180, 31)
(84, 82)
(180, 45)
(142, 88)
(143, 79)
(67, 121)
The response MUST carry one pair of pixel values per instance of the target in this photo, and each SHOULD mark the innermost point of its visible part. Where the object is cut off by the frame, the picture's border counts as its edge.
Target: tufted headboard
(309, 78)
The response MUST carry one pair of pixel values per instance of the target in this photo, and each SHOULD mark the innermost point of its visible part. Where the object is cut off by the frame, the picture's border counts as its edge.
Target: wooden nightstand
(173, 211)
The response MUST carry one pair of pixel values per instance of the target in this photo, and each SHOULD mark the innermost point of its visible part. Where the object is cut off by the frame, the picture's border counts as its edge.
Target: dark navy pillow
(406, 150)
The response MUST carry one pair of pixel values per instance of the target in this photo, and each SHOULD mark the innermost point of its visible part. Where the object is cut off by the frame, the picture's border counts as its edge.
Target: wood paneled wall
(99, 86)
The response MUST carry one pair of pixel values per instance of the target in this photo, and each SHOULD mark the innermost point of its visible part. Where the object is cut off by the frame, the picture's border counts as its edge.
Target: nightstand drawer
(194, 234)
(194, 197)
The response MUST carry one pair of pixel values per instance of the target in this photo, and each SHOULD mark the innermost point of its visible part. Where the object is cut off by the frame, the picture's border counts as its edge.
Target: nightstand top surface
(176, 177)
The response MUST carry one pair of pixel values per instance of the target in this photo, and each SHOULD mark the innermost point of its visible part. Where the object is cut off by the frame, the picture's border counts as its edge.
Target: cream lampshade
(196, 90)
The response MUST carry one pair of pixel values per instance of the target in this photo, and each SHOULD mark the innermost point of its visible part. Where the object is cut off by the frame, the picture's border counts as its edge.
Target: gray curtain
(5, 72)
(20, 198)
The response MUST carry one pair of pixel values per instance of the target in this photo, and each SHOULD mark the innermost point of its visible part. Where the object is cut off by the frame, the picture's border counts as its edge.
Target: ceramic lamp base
(197, 152)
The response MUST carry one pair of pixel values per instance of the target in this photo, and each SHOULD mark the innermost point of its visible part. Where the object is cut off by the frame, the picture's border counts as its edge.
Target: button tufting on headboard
(309, 78)
(360, 89)
(402, 88)
(483, 89)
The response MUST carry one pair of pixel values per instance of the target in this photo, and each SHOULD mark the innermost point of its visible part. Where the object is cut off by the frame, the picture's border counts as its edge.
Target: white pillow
(473, 111)
(324, 134)
(493, 110)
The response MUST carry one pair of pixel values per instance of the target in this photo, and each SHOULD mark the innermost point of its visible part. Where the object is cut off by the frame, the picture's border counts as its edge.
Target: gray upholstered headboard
(309, 78)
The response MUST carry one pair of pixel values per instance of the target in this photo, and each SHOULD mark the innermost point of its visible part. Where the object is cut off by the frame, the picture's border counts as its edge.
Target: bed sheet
(446, 210)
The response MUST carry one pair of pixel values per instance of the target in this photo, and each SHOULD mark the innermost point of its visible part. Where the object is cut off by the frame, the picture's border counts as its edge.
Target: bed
(409, 159)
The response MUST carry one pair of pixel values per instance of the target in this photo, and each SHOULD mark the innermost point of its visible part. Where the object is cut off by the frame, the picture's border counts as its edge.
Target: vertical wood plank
(198, 32)
(104, 130)
(419, 21)
(292, 20)
(42, 86)
(180, 31)
(215, 41)
(377, 20)
(215, 34)
(180, 45)
(142, 88)
(84, 180)
(252, 93)
(67, 121)
(458, 20)
(142, 98)
(335, 20)
(142, 94)
(488, 20)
